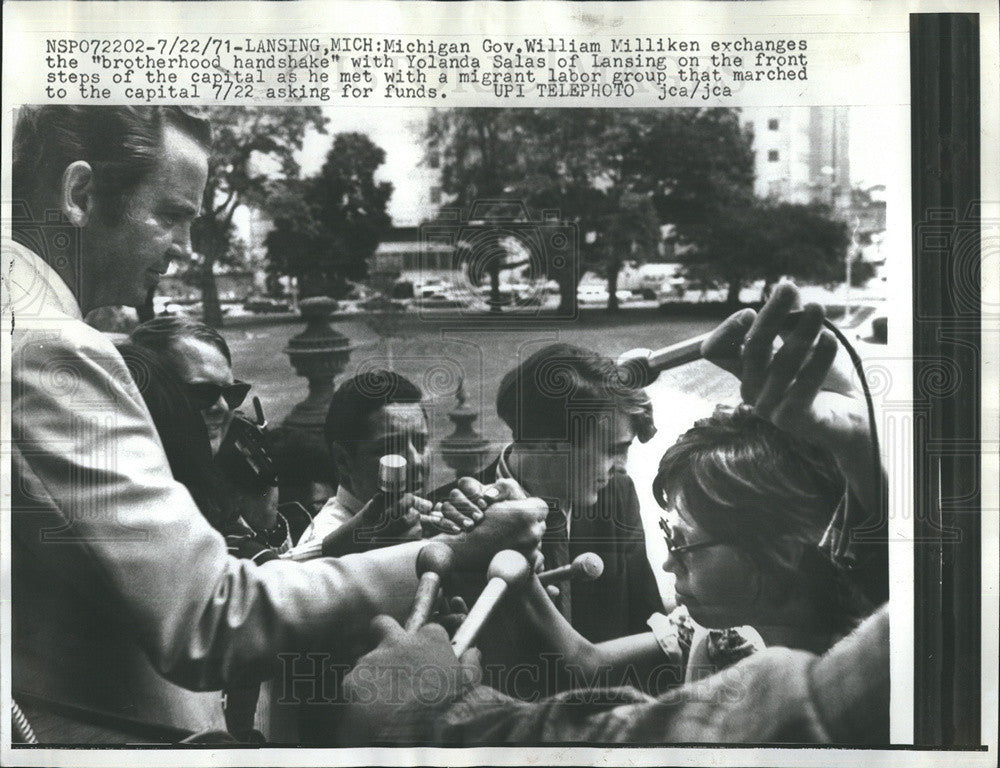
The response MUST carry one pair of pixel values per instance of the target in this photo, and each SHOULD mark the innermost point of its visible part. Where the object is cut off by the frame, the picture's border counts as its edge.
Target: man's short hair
(159, 335)
(358, 398)
(121, 144)
(541, 397)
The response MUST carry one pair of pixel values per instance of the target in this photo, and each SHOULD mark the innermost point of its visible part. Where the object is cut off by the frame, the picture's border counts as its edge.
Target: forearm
(349, 538)
(638, 660)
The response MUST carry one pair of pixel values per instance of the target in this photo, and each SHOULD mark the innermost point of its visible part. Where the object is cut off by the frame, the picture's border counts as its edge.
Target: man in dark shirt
(572, 421)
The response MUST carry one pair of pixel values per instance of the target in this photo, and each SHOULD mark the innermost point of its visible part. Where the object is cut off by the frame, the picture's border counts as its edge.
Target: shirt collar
(36, 288)
(504, 472)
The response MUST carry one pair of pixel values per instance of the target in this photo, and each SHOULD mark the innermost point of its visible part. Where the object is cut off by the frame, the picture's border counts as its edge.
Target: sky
(397, 131)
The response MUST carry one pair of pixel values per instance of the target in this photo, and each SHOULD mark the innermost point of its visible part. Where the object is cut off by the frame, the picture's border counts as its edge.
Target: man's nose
(180, 248)
(416, 461)
(219, 406)
(671, 564)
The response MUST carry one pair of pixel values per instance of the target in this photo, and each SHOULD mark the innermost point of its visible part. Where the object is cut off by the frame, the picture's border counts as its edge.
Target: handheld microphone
(507, 569)
(585, 567)
(433, 564)
(640, 367)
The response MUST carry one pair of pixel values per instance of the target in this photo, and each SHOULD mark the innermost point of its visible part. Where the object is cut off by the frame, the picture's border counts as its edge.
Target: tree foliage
(329, 225)
(616, 174)
(252, 158)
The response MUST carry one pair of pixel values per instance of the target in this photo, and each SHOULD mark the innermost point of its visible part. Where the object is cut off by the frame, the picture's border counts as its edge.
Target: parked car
(265, 305)
(598, 294)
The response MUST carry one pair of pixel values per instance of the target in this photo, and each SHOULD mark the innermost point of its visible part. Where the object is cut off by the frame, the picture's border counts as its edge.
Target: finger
(422, 505)
(553, 591)
(504, 489)
(473, 491)
(472, 667)
(451, 621)
(758, 346)
(457, 605)
(465, 505)
(723, 345)
(788, 360)
(385, 629)
(431, 523)
(433, 632)
(802, 393)
(456, 517)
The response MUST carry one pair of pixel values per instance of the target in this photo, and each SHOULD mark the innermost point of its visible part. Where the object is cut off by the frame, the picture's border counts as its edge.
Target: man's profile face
(124, 259)
(398, 428)
(199, 362)
(596, 459)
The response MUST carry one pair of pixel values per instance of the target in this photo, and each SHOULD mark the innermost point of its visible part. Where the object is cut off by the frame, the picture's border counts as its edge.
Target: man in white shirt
(371, 415)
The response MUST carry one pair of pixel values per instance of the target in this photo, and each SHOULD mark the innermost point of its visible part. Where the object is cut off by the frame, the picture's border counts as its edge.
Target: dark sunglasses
(203, 395)
(677, 549)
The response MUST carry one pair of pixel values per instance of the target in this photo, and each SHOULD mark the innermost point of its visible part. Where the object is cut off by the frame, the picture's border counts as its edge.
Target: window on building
(435, 195)
(772, 124)
(434, 160)
(772, 156)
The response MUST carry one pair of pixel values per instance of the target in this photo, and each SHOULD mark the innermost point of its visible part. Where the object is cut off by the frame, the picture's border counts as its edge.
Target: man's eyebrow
(182, 206)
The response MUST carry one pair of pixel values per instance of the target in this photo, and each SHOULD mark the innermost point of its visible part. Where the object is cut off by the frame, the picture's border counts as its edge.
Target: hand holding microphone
(433, 565)
(508, 569)
(585, 567)
(641, 367)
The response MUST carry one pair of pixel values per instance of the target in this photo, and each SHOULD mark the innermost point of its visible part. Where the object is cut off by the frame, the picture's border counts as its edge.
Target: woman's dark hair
(771, 495)
(182, 432)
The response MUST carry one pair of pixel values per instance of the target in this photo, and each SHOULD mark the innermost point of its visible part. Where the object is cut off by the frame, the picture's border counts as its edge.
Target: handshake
(476, 521)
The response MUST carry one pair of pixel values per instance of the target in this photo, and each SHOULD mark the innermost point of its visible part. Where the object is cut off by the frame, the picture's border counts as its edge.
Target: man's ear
(343, 467)
(77, 198)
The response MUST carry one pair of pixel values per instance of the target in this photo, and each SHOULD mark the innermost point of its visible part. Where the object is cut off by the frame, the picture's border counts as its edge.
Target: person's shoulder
(64, 341)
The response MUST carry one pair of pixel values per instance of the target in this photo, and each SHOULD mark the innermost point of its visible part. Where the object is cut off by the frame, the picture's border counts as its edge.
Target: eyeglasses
(203, 395)
(676, 549)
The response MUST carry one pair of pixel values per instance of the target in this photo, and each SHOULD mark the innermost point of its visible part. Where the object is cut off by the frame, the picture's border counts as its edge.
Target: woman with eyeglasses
(759, 502)
(747, 505)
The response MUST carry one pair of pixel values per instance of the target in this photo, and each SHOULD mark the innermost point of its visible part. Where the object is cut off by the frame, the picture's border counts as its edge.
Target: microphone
(392, 486)
(585, 567)
(640, 367)
(433, 564)
(507, 569)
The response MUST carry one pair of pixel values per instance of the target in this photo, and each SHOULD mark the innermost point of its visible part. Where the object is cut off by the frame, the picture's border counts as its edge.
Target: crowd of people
(162, 593)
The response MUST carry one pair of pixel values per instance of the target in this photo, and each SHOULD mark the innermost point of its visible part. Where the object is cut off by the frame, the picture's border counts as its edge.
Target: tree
(609, 172)
(765, 240)
(253, 155)
(329, 225)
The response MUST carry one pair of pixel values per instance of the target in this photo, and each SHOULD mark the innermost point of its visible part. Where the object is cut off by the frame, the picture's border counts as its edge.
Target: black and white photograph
(543, 428)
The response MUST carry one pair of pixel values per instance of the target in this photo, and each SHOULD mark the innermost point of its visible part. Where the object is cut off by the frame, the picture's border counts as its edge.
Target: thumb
(504, 489)
(723, 345)
(385, 629)
(472, 667)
